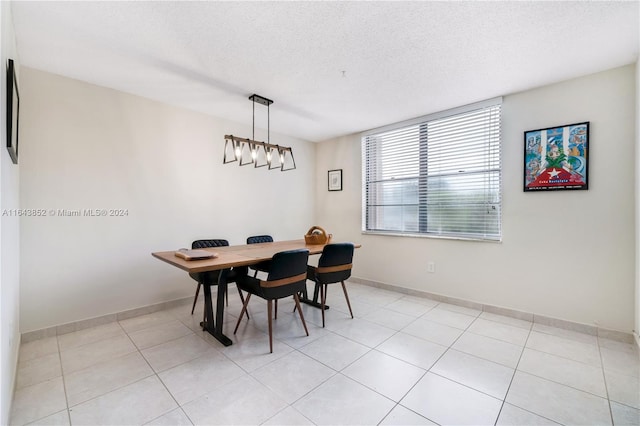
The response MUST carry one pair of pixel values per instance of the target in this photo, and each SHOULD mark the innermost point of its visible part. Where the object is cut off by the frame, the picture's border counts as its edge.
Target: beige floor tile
(38, 401)
(624, 415)
(341, 400)
(90, 354)
(89, 335)
(283, 376)
(244, 401)
(38, 370)
(335, 351)
(390, 319)
(449, 317)
(251, 353)
(557, 402)
(384, 374)
(489, 348)
(413, 350)
(288, 416)
(567, 334)
(137, 403)
(408, 307)
(176, 417)
(200, 376)
(432, 331)
(445, 402)
(621, 361)
(404, 417)
(506, 333)
(587, 353)
(38, 348)
(564, 371)
(158, 334)
(511, 415)
(178, 351)
(477, 373)
(61, 418)
(145, 321)
(104, 377)
(623, 389)
(365, 332)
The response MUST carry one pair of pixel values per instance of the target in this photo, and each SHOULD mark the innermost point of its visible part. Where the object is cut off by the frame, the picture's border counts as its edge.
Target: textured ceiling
(332, 68)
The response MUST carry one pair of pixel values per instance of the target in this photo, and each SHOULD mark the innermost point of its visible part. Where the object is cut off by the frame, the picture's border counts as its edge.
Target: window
(437, 176)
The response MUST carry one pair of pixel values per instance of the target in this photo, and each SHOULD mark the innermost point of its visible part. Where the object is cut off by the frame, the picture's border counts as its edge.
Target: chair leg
(323, 298)
(244, 309)
(195, 299)
(276, 312)
(304, 324)
(242, 300)
(226, 296)
(302, 294)
(346, 296)
(269, 307)
(255, 274)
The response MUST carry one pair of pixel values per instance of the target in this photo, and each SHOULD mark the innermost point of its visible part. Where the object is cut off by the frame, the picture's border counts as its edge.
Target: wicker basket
(317, 235)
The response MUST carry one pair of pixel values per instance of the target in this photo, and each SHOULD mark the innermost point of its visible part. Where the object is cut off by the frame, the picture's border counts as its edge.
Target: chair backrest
(288, 274)
(198, 244)
(260, 239)
(209, 277)
(335, 262)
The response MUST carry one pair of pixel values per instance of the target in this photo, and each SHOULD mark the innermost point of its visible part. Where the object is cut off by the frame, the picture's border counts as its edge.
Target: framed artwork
(13, 112)
(556, 158)
(335, 180)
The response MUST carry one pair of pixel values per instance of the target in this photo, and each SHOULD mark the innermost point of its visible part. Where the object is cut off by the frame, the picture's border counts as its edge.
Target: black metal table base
(219, 336)
(216, 329)
(313, 303)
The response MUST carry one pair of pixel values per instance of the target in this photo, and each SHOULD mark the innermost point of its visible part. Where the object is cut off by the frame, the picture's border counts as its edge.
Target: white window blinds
(437, 176)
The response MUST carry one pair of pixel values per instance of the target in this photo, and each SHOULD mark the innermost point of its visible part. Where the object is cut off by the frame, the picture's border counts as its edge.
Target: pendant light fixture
(260, 154)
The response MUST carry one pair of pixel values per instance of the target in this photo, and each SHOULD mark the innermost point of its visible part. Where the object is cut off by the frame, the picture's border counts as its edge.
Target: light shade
(273, 157)
(288, 162)
(229, 150)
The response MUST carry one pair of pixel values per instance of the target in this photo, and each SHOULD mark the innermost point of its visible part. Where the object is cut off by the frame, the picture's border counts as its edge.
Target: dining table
(228, 257)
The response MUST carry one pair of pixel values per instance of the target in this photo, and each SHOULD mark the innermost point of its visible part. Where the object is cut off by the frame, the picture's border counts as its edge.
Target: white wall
(9, 232)
(86, 147)
(637, 213)
(566, 254)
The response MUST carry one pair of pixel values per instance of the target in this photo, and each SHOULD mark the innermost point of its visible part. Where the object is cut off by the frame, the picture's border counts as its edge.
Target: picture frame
(335, 180)
(13, 111)
(557, 158)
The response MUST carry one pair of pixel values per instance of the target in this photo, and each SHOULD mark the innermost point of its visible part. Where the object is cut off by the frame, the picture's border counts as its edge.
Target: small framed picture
(557, 158)
(335, 180)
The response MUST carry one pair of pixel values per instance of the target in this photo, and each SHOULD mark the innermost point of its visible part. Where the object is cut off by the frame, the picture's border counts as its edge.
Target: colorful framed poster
(556, 158)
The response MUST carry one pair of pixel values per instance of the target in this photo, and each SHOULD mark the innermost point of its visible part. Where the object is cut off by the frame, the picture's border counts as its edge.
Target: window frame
(418, 121)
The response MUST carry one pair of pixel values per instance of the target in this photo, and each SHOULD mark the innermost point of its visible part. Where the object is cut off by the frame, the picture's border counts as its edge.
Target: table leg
(313, 302)
(215, 328)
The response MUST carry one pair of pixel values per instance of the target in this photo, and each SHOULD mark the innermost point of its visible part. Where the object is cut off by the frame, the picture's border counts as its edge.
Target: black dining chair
(211, 277)
(287, 277)
(262, 266)
(334, 266)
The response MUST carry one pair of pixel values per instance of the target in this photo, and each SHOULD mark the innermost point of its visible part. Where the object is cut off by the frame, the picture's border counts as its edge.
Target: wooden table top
(242, 255)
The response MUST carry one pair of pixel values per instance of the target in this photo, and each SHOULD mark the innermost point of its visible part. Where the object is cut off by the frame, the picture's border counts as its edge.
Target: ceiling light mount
(260, 99)
(260, 154)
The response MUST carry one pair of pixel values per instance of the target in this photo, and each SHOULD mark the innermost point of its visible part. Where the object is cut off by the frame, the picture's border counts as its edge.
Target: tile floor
(402, 361)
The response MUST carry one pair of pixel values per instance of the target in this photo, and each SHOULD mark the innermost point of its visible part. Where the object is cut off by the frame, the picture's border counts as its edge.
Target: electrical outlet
(431, 267)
